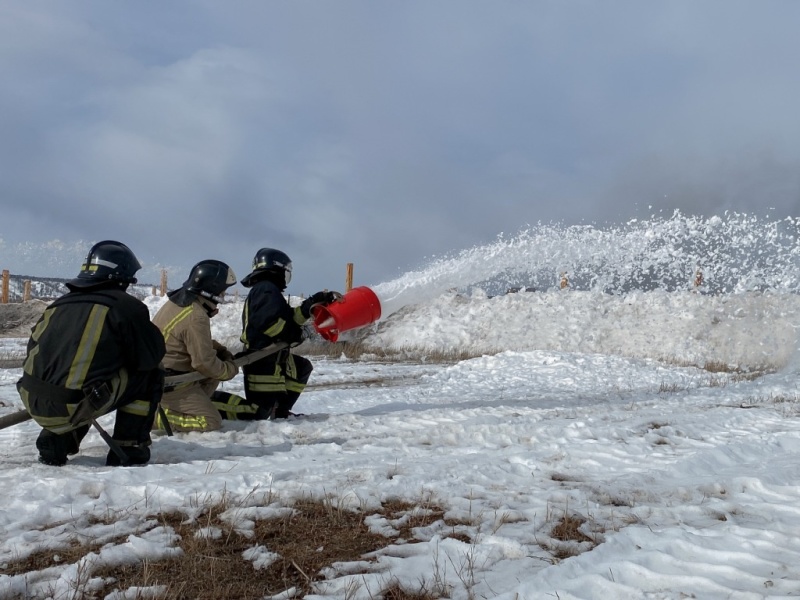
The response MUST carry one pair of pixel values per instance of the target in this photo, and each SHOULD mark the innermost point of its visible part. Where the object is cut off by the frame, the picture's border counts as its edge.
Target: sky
(590, 405)
(380, 134)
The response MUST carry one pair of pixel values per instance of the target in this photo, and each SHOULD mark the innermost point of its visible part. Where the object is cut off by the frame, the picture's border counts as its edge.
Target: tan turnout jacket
(187, 334)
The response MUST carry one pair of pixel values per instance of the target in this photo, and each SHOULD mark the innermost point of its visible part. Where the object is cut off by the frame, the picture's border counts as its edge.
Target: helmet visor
(288, 270)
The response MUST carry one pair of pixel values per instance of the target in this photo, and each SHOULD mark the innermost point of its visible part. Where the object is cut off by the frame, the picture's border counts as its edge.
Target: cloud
(384, 134)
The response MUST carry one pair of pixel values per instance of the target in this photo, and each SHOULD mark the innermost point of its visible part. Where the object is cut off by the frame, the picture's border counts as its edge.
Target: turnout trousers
(200, 406)
(275, 382)
(134, 397)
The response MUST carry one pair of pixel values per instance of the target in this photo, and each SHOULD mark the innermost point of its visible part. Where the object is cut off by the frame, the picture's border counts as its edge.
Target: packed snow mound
(754, 330)
(750, 331)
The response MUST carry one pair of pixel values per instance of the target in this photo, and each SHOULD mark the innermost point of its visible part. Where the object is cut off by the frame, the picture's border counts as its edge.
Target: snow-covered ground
(580, 403)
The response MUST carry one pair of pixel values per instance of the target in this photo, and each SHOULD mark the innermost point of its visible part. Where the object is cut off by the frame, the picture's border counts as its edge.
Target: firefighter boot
(138, 454)
(53, 448)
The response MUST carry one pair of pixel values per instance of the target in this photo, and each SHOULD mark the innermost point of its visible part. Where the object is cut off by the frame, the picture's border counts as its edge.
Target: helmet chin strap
(211, 297)
(209, 302)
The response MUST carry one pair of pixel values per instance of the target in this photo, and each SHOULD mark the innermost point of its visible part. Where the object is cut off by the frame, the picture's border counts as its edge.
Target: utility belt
(169, 372)
(42, 388)
(171, 387)
(92, 398)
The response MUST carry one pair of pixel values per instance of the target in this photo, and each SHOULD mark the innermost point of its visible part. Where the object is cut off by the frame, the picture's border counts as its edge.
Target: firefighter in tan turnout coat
(185, 322)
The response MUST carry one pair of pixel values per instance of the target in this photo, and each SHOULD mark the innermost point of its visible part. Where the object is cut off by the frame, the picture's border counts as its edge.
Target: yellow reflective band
(276, 328)
(58, 429)
(86, 347)
(234, 407)
(294, 386)
(185, 421)
(246, 313)
(267, 387)
(233, 400)
(291, 368)
(298, 316)
(177, 319)
(37, 333)
(140, 408)
(54, 424)
(265, 378)
(120, 383)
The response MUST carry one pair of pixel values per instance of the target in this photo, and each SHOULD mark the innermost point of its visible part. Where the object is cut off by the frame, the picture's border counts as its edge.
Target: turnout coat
(86, 338)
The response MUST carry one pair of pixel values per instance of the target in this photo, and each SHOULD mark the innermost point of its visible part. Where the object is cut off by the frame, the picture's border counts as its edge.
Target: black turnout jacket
(268, 318)
(86, 337)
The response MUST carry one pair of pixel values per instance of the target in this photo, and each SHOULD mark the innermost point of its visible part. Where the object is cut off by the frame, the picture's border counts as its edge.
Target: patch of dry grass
(312, 535)
(568, 539)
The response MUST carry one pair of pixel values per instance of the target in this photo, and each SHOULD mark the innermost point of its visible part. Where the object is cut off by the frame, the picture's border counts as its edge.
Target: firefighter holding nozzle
(275, 382)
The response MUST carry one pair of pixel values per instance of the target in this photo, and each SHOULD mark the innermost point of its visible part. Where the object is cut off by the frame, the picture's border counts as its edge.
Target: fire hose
(23, 415)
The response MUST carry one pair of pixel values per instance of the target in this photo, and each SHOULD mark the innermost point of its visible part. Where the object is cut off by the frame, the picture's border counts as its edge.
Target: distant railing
(56, 287)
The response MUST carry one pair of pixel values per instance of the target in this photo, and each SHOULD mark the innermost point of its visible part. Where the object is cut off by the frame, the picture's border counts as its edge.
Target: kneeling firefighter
(275, 382)
(185, 322)
(93, 351)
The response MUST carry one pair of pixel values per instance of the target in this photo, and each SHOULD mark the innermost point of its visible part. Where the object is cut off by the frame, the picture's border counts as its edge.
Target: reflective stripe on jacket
(187, 335)
(84, 338)
(267, 318)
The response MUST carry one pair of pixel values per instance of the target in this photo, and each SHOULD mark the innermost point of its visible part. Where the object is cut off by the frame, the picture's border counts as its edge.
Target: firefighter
(275, 382)
(185, 322)
(93, 351)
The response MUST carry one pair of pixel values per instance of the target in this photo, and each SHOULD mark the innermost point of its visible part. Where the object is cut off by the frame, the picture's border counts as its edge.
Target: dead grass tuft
(567, 538)
(562, 477)
(670, 388)
(395, 592)
(567, 529)
(312, 535)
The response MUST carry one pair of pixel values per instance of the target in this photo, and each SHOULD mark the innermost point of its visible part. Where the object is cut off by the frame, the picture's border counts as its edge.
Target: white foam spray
(735, 253)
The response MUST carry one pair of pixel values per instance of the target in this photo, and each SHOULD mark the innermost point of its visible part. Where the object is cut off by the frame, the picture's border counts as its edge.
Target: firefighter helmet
(107, 261)
(210, 279)
(269, 261)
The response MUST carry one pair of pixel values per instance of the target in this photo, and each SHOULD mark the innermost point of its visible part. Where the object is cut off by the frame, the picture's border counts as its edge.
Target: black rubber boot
(53, 448)
(74, 439)
(138, 455)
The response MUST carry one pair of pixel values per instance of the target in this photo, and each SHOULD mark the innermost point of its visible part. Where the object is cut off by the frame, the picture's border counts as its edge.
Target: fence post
(163, 282)
(348, 281)
(26, 290)
(5, 286)
(698, 278)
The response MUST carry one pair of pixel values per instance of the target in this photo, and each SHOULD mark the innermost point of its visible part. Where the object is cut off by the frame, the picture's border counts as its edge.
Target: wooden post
(26, 290)
(153, 291)
(564, 281)
(348, 281)
(163, 282)
(5, 286)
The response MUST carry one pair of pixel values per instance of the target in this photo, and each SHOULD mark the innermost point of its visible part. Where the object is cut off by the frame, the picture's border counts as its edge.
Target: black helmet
(108, 261)
(210, 279)
(269, 261)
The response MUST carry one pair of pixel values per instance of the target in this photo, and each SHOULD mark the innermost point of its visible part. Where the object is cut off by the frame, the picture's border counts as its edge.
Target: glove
(224, 354)
(323, 298)
(299, 336)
